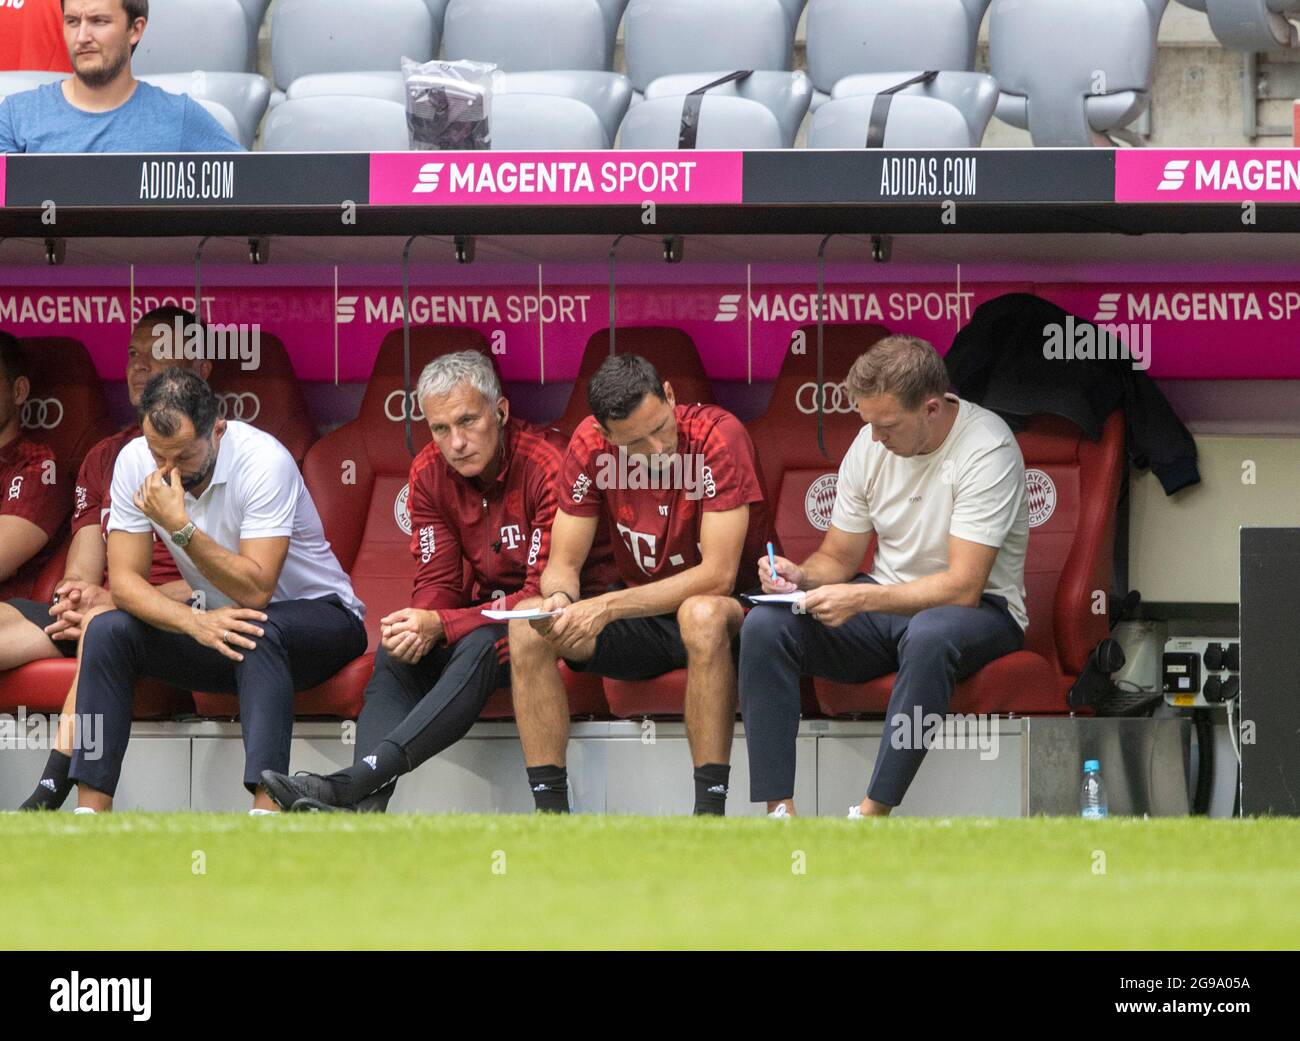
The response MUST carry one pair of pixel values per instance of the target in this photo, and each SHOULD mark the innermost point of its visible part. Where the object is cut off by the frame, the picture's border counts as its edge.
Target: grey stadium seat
(973, 94)
(17, 81)
(527, 35)
(537, 122)
(608, 94)
(336, 124)
(194, 34)
(245, 94)
(785, 94)
(725, 122)
(853, 36)
(344, 36)
(914, 122)
(1068, 72)
(1250, 25)
(255, 12)
(612, 12)
(223, 116)
(663, 37)
(386, 85)
(793, 11)
(605, 93)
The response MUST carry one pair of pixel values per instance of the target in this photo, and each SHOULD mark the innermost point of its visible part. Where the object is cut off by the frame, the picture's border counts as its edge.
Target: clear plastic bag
(449, 104)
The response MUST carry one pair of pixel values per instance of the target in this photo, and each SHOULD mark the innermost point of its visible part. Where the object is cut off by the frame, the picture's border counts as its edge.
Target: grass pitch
(201, 881)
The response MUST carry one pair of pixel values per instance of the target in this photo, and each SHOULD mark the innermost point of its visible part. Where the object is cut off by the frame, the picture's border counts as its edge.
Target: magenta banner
(555, 178)
(1226, 330)
(1211, 175)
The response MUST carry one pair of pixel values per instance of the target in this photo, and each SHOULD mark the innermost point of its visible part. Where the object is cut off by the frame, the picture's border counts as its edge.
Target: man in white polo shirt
(274, 613)
(941, 483)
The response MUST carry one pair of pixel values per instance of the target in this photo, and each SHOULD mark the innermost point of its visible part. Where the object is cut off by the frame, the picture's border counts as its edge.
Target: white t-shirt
(256, 492)
(972, 486)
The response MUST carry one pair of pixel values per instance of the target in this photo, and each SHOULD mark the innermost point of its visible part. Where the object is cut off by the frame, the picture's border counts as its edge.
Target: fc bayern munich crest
(820, 500)
(401, 511)
(1041, 492)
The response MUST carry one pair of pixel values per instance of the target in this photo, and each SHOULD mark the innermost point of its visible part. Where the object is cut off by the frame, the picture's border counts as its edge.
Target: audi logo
(835, 398)
(243, 407)
(393, 405)
(42, 413)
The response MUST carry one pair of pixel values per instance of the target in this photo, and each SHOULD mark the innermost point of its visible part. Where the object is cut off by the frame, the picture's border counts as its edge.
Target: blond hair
(907, 367)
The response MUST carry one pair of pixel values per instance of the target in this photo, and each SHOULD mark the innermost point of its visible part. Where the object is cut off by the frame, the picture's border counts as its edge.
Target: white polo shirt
(256, 492)
(971, 486)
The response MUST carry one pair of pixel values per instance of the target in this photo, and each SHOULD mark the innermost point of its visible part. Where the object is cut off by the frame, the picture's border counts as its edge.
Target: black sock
(550, 785)
(711, 788)
(370, 773)
(54, 784)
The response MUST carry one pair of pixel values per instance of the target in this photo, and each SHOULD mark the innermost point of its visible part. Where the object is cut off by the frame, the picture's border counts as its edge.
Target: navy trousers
(305, 642)
(931, 651)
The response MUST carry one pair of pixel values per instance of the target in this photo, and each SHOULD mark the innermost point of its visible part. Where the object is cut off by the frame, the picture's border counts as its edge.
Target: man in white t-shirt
(941, 483)
(273, 612)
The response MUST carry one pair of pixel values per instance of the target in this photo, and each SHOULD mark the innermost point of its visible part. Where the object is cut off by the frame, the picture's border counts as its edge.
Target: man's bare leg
(708, 625)
(871, 808)
(541, 711)
(21, 641)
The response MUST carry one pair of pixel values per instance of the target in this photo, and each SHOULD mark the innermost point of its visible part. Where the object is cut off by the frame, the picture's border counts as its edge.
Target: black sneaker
(303, 792)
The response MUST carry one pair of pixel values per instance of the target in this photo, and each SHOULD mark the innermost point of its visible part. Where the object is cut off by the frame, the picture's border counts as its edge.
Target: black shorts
(640, 649)
(39, 615)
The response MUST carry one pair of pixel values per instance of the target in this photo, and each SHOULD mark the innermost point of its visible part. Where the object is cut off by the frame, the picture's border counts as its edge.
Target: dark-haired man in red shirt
(482, 494)
(31, 629)
(678, 487)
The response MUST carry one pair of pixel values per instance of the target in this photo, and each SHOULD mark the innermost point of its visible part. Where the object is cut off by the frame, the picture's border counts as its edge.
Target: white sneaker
(84, 809)
(782, 812)
(257, 811)
(855, 813)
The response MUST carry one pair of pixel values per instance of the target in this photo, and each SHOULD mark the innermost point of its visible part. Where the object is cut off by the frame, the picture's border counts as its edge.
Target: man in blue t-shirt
(102, 107)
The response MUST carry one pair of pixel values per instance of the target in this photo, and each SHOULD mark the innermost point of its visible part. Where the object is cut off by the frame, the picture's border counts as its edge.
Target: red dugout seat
(1070, 555)
(800, 479)
(670, 351)
(357, 476)
(68, 412)
(269, 397)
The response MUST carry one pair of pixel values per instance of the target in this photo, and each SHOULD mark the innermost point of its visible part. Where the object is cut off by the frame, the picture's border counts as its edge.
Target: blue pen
(771, 562)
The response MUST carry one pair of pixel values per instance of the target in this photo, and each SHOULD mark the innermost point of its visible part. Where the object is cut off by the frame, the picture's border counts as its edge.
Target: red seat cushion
(1022, 683)
(42, 686)
(670, 351)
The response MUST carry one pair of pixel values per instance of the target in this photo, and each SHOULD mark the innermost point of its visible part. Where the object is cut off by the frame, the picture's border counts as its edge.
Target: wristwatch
(182, 537)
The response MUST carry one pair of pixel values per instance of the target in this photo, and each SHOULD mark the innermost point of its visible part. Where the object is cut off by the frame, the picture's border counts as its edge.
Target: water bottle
(1093, 799)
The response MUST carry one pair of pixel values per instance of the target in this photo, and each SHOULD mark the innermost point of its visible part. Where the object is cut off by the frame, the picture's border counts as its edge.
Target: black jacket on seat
(998, 360)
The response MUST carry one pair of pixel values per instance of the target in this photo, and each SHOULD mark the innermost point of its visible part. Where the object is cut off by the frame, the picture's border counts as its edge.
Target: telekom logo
(1174, 176)
(429, 178)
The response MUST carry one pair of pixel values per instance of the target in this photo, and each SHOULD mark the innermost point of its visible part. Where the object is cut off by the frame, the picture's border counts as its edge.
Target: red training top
(30, 489)
(660, 526)
(31, 37)
(495, 540)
